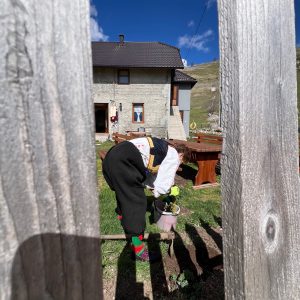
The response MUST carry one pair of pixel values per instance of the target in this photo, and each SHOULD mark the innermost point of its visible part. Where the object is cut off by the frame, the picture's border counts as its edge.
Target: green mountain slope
(205, 94)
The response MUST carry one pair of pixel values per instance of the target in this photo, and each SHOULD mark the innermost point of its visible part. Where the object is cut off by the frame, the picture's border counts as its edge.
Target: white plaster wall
(184, 103)
(148, 86)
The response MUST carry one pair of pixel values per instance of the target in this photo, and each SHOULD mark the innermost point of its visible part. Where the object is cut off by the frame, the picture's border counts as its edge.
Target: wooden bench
(136, 134)
(209, 138)
(206, 156)
(118, 137)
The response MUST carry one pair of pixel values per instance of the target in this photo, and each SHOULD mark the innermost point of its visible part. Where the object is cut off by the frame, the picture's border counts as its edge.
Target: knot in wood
(270, 229)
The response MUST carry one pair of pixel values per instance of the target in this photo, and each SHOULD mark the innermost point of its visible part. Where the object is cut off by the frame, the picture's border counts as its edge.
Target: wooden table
(206, 156)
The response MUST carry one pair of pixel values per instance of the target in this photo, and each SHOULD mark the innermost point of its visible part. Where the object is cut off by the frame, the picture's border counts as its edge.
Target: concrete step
(175, 128)
(101, 137)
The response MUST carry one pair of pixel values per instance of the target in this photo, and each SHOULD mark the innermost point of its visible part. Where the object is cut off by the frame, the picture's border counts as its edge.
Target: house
(182, 85)
(137, 87)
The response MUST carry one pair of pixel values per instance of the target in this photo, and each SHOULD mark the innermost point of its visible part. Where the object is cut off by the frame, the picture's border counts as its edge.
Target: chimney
(121, 38)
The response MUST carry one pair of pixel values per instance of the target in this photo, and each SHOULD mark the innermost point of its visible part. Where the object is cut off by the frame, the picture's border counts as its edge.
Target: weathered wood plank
(49, 224)
(260, 182)
(160, 236)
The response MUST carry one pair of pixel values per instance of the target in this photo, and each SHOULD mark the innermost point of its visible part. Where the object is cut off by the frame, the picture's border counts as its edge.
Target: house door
(174, 95)
(181, 115)
(101, 117)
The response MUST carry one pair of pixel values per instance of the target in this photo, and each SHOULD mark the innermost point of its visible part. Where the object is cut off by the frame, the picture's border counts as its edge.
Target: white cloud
(184, 61)
(191, 23)
(197, 41)
(93, 10)
(97, 33)
(210, 3)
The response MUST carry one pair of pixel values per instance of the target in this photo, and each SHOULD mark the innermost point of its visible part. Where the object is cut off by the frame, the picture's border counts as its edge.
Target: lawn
(196, 266)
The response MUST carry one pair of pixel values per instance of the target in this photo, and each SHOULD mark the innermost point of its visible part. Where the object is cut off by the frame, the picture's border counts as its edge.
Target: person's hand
(174, 191)
(148, 187)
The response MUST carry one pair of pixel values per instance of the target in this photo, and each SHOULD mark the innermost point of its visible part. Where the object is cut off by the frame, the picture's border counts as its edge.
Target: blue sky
(190, 25)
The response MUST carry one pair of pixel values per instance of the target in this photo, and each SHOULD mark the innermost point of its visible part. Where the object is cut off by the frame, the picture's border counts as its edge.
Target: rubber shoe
(147, 256)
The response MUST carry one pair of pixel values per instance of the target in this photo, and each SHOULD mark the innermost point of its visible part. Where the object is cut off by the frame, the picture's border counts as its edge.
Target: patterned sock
(119, 213)
(137, 244)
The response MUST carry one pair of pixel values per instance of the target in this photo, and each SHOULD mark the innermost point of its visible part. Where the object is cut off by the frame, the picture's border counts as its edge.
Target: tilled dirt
(197, 253)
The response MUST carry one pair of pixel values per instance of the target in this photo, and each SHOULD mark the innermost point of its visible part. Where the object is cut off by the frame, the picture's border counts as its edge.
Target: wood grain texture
(260, 181)
(49, 223)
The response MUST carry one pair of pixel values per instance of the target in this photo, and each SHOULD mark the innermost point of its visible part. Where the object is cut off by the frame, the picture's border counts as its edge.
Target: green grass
(203, 205)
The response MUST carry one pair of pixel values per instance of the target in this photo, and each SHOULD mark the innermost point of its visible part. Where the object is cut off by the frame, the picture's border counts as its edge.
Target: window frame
(128, 74)
(143, 112)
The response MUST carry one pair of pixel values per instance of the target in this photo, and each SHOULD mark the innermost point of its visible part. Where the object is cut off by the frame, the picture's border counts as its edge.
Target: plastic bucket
(165, 220)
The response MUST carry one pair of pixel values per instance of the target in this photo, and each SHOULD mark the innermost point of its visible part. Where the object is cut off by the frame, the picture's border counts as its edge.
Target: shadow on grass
(127, 286)
(214, 235)
(218, 220)
(187, 172)
(158, 275)
(206, 283)
(201, 251)
(182, 255)
(206, 263)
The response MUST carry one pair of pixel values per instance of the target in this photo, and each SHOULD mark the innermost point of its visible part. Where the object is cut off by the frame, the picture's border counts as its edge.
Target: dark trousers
(124, 171)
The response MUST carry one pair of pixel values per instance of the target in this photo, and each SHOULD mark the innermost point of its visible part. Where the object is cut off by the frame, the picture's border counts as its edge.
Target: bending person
(125, 168)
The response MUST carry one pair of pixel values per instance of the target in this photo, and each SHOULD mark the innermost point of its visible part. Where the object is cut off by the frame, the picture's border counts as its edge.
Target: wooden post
(49, 222)
(260, 181)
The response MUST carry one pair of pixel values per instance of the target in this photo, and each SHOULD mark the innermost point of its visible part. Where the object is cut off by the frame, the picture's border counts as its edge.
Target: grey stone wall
(148, 86)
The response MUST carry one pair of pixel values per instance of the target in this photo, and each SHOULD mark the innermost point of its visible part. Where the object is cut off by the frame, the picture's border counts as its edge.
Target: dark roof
(135, 54)
(183, 78)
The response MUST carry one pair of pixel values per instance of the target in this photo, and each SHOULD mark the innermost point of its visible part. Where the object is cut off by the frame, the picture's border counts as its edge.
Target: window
(123, 77)
(138, 112)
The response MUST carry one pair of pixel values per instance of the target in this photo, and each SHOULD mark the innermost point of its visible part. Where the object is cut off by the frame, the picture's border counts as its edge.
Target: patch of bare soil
(195, 271)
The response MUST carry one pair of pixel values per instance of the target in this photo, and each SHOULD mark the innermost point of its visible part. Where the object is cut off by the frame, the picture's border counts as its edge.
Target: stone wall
(148, 86)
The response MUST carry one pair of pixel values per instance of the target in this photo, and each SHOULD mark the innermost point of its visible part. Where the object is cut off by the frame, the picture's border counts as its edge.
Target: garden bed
(194, 272)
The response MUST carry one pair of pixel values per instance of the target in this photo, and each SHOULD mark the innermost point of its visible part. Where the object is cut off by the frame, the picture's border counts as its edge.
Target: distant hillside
(205, 94)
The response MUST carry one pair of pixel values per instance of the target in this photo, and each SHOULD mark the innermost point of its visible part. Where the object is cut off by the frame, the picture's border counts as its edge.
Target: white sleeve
(166, 173)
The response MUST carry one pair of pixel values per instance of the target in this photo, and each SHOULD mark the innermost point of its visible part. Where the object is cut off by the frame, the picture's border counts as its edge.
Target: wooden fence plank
(260, 182)
(49, 223)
